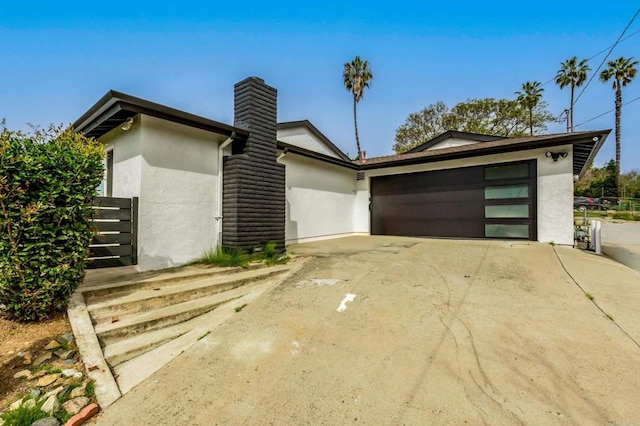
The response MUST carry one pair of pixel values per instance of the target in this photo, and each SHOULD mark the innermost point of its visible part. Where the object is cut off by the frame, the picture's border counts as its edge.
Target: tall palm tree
(573, 74)
(529, 98)
(357, 77)
(622, 71)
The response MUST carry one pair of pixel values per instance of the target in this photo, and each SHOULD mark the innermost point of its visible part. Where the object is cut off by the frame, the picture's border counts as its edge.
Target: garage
(490, 201)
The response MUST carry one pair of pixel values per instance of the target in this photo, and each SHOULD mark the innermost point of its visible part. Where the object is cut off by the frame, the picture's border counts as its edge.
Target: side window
(108, 185)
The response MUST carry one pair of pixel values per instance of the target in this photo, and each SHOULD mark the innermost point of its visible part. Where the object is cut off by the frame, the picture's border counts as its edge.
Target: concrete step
(137, 323)
(97, 289)
(132, 372)
(130, 347)
(160, 296)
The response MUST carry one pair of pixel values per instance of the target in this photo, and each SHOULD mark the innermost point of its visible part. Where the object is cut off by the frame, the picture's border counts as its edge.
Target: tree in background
(573, 74)
(499, 117)
(621, 71)
(598, 182)
(529, 98)
(421, 127)
(357, 76)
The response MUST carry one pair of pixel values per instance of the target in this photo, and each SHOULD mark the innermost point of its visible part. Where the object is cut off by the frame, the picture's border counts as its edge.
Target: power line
(599, 53)
(605, 113)
(605, 58)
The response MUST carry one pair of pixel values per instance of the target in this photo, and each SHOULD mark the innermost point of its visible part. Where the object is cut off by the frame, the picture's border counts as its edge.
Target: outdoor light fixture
(128, 124)
(555, 155)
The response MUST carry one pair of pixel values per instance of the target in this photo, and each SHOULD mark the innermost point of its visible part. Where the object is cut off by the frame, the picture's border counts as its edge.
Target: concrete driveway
(437, 332)
(621, 241)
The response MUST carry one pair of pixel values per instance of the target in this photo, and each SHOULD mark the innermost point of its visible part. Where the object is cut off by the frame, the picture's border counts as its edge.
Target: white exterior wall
(448, 143)
(320, 200)
(127, 160)
(554, 187)
(303, 138)
(179, 193)
(173, 169)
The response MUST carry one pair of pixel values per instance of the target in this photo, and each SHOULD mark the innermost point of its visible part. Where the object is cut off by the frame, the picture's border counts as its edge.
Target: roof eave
(116, 107)
(482, 150)
(313, 129)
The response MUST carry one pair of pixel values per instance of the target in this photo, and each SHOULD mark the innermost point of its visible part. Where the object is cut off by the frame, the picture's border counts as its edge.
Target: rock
(78, 392)
(47, 421)
(29, 403)
(69, 361)
(71, 373)
(37, 374)
(35, 394)
(65, 353)
(15, 405)
(74, 405)
(70, 381)
(54, 392)
(48, 379)
(51, 405)
(52, 345)
(21, 374)
(46, 356)
(65, 338)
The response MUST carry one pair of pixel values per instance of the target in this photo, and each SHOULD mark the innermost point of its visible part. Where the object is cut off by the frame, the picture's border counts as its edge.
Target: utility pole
(569, 123)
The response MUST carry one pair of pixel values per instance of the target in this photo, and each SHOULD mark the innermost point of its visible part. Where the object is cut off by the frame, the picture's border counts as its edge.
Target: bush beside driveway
(438, 332)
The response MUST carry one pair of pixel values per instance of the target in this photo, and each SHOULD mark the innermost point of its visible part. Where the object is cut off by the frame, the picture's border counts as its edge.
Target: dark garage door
(493, 201)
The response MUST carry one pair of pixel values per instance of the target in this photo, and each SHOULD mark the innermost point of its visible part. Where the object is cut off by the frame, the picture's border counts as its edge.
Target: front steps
(142, 324)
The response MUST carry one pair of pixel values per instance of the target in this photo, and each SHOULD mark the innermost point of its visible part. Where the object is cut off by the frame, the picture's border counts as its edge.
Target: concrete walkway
(387, 330)
(621, 241)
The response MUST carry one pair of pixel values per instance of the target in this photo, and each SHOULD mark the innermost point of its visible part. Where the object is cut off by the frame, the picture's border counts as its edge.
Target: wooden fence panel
(115, 242)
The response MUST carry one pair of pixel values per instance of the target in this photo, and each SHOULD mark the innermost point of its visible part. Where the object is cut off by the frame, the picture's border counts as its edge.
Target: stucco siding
(301, 137)
(127, 160)
(448, 143)
(320, 199)
(179, 194)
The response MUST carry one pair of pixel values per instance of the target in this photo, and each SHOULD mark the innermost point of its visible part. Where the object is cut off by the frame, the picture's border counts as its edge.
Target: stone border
(107, 391)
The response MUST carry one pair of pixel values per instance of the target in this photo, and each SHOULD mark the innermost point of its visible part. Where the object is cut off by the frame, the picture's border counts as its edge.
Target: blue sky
(61, 57)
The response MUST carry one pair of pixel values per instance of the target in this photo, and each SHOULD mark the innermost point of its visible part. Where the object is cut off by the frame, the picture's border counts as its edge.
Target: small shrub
(239, 308)
(225, 257)
(23, 416)
(47, 183)
(589, 296)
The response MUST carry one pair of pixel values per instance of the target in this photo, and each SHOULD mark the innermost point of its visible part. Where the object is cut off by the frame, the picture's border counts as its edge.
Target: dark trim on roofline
(573, 139)
(115, 107)
(288, 148)
(478, 137)
(313, 129)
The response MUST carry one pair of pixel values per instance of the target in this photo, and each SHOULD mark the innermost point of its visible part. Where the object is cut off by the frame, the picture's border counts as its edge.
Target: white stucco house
(201, 183)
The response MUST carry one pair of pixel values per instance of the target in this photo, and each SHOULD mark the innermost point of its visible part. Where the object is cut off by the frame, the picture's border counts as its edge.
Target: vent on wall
(360, 176)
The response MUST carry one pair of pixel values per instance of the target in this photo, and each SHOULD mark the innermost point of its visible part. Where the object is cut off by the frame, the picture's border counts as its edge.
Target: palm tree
(357, 76)
(622, 71)
(529, 98)
(573, 74)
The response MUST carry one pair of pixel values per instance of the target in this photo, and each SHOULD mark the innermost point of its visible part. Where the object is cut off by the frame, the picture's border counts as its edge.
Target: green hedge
(47, 182)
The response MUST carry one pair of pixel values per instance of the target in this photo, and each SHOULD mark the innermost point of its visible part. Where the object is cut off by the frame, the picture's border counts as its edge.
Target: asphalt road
(392, 331)
(621, 242)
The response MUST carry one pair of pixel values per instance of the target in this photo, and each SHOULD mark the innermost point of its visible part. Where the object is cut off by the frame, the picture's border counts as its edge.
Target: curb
(107, 391)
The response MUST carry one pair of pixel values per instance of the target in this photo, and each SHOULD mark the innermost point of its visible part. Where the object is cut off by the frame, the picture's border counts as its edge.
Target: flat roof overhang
(585, 147)
(113, 109)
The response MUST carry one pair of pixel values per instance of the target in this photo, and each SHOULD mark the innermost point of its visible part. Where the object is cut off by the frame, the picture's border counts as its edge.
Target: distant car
(588, 203)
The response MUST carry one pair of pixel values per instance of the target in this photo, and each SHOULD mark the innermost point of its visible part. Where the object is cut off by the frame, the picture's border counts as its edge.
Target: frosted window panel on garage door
(506, 191)
(506, 231)
(507, 210)
(511, 171)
